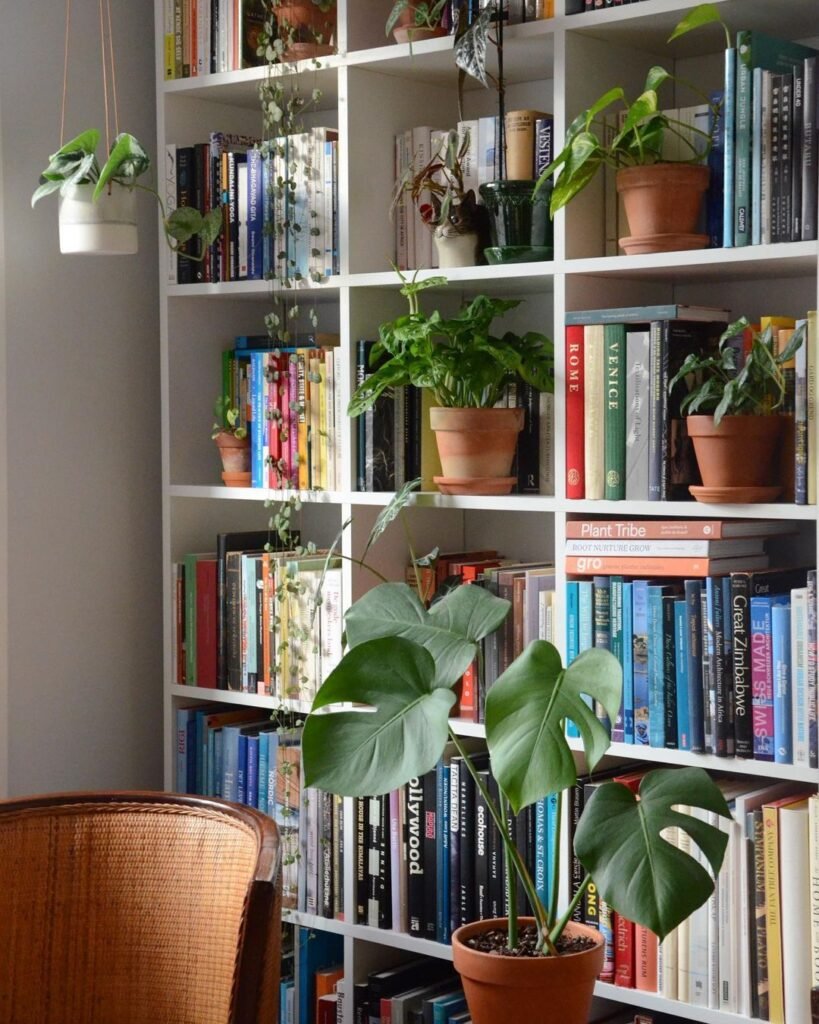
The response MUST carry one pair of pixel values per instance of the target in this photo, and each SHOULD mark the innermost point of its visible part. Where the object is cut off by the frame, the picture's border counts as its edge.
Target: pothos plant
(400, 674)
(76, 163)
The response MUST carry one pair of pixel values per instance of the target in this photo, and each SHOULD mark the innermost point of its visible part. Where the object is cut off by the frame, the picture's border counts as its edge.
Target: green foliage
(455, 357)
(441, 179)
(426, 14)
(639, 141)
(401, 670)
(226, 419)
(757, 388)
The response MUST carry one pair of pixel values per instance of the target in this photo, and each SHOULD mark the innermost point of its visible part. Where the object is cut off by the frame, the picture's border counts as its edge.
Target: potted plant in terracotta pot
(732, 417)
(306, 28)
(662, 197)
(232, 440)
(413, 20)
(458, 223)
(402, 667)
(98, 203)
(467, 369)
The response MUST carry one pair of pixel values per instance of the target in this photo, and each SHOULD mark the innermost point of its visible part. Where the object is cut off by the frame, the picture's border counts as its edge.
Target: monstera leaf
(449, 630)
(400, 733)
(644, 877)
(526, 711)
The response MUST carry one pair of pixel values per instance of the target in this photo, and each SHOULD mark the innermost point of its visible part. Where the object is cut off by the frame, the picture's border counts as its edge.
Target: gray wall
(80, 508)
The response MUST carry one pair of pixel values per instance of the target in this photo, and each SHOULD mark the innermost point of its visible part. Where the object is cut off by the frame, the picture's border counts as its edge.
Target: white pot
(456, 250)
(107, 226)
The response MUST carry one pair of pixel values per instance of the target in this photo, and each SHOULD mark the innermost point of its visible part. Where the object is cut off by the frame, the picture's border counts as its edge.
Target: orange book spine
(645, 943)
(591, 565)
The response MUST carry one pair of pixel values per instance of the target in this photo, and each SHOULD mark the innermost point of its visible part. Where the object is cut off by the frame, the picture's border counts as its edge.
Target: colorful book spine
(628, 663)
(762, 675)
(681, 673)
(614, 419)
(781, 673)
(729, 113)
(640, 661)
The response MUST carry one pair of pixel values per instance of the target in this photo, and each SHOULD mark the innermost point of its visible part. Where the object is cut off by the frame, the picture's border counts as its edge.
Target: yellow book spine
(282, 639)
(776, 999)
(324, 430)
(315, 388)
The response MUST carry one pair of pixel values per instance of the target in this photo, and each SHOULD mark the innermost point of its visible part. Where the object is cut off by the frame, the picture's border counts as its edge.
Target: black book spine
(577, 868)
(669, 670)
(415, 857)
(741, 662)
(326, 855)
(529, 440)
(379, 906)
(482, 867)
(785, 157)
(466, 899)
(810, 136)
(496, 862)
(361, 860)
(776, 158)
(185, 196)
(430, 842)
(362, 359)
(797, 122)
(709, 692)
(456, 766)
(233, 618)
(695, 662)
(723, 729)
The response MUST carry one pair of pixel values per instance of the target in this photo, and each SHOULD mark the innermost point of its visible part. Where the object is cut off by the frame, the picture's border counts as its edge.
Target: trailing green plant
(400, 672)
(726, 383)
(227, 419)
(645, 127)
(76, 163)
(425, 15)
(457, 358)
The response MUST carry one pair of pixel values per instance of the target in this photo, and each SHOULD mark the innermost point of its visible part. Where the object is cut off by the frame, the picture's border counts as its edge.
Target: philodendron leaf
(449, 631)
(526, 711)
(401, 499)
(364, 752)
(184, 223)
(702, 14)
(638, 872)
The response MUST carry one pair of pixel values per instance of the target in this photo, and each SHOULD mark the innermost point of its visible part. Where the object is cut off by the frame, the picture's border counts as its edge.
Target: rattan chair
(130, 908)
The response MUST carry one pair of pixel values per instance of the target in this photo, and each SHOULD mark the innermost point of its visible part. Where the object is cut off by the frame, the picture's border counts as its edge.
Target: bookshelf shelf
(372, 92)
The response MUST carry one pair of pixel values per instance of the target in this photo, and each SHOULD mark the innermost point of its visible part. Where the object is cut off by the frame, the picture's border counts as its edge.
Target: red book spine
(575, 441)
(205, 622)
(623, 951)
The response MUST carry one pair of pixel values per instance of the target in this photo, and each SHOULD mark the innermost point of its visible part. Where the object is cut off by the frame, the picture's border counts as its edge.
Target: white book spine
(593, 410)
(340, 421)
(546, 443)
(423, 235)
(813, 863)
(684, 930)
(469, 164)
(794, 884)
(637, 395)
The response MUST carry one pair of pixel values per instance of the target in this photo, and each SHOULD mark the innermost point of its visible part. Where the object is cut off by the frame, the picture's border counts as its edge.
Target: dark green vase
(519, 223)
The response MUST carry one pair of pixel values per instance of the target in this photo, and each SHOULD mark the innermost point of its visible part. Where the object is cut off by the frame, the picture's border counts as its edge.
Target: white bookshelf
(370, 91)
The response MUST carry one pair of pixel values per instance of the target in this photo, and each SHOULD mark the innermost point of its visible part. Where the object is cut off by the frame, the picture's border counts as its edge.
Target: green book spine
(614, 420)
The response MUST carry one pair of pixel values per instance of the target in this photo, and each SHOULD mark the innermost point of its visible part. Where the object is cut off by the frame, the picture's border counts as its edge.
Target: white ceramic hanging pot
(106, 227)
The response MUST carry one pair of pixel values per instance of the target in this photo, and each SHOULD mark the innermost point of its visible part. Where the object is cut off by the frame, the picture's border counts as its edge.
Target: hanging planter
(107, 227)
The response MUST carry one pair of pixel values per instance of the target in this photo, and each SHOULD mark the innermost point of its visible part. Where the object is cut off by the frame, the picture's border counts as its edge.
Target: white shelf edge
(686, 509)
(261, 494)
(456, 275)
(314, 921)
(257, 289)
(248, 76)
(705, 259)
(258, 700)
(653, 1001)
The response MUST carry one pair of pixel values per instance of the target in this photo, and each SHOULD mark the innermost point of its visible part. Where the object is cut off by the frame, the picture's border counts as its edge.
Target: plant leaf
(636, 870)
(702, 14)
(526, 712)
(184, 223)
(449, 632)
(357, 753)
(400, 500)
(395, 14)
(126, 161)
(470, 48)
(85, 142)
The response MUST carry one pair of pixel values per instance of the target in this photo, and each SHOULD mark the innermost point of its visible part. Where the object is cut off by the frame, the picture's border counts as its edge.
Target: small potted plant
(731, 408)
(98, 203)
(662, 197)
(402, 665)
(413, 20)
(233, 443)
(306, 28)
(458, 223)
(468, 370)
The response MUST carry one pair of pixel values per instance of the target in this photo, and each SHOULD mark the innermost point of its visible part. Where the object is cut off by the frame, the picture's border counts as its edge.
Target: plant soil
(495, 943)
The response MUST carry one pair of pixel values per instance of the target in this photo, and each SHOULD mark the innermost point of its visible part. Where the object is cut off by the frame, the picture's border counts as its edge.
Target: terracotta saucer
(734, 495)
(634, 245)
(236, 479)
(475, 484)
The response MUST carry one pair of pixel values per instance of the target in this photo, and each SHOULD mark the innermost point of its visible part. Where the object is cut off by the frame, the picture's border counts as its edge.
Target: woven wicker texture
(130, 912)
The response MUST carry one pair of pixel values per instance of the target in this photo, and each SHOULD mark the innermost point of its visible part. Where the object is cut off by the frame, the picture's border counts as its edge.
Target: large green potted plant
(468, 370)
(452, 213)
(98, 202)
(662, 197)
(731, 406)
(400, 672)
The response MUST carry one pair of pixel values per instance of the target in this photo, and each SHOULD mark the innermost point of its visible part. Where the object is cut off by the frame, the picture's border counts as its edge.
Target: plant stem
(557, 931)
(413, 556)
(511, 882)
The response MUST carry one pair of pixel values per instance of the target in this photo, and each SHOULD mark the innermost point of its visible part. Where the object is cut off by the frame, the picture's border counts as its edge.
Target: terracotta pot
(663, 203)
(740, 452)
(538, 990)
(406, 31)
(476, 443)
(308, 24)
(235, 452)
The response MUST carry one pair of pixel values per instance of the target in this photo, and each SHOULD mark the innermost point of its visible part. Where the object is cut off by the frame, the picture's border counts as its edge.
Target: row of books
(268, 227)
(418, 991)
(202, 37)
(311, 993)
(750, 949)
(289, 400)
(529, 151)
(581, 6)
(626, 437)
(771, 115)
(718, 652)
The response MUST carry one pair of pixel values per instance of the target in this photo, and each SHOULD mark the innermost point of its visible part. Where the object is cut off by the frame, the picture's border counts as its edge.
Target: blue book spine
(572, 636)
(709, 693)
(729, 112)
(252, 796)
(264, 767)
(184, 716)
(552, 811)
(617, 646)
(783, 705)
(229, 775)
(255, 375)
(443, 1006)
(639, 600)
(696, 721)
(656, 688)
(756, 157)
(316, 950)
(442, 852)
(762, 675)
(681, 665)
(541, 864)
(716, 162)
(628, 664)
(585, 632)
(216, 762)
(201, 753)
(742, 142)
(272, 777)
(241, 770)
(255, 227)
